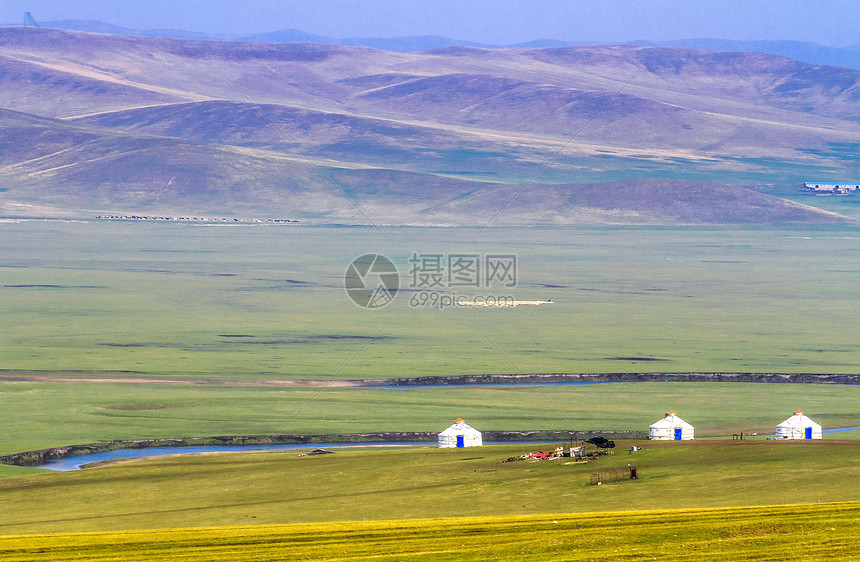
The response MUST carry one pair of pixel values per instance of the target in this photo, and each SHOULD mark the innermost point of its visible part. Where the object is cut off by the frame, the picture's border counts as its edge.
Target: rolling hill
(98, 123)
(799, 50)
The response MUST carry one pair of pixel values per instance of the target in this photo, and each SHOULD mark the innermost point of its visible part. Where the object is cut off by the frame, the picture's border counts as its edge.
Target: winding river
(79, 461)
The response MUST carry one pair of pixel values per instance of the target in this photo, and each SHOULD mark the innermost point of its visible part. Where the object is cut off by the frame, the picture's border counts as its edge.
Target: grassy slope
(38, 415)
(809, 532)
(404, 483)
(214, 178)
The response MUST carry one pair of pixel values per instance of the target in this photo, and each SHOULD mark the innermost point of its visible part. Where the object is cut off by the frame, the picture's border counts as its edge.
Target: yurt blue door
(460, 442)
(678, 433)
(807, 435)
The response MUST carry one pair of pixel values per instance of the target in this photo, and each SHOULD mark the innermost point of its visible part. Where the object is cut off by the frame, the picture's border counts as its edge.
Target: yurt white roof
(460, 434)
(669, 426)
(798, 426)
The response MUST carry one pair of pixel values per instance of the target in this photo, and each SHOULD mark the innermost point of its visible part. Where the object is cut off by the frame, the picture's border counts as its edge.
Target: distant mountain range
(104, 123)
(797, 50)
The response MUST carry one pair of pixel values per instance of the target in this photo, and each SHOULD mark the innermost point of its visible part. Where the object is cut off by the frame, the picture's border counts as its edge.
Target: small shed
(670, 428)
(460, 434)
(798, 426)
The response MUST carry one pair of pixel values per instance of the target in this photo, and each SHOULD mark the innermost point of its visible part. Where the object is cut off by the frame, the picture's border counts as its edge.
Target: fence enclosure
(615, 475)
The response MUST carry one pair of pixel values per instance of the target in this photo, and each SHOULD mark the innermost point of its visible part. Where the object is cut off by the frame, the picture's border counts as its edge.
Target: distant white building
(671, 428)
(830, 187)
(798, 426)
(460, 434)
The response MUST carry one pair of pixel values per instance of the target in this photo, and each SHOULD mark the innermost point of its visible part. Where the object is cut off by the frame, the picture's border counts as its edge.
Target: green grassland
(807, 532)
(404, 483)
(41, 414)
(165, 300)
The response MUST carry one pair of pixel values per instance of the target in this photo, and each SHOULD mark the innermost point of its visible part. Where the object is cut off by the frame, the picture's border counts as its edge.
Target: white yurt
(460, 434)
(798, 426)
(670, 428)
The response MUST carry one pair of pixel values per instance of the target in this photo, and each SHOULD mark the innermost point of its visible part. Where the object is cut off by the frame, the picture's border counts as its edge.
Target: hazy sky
(828, 22)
